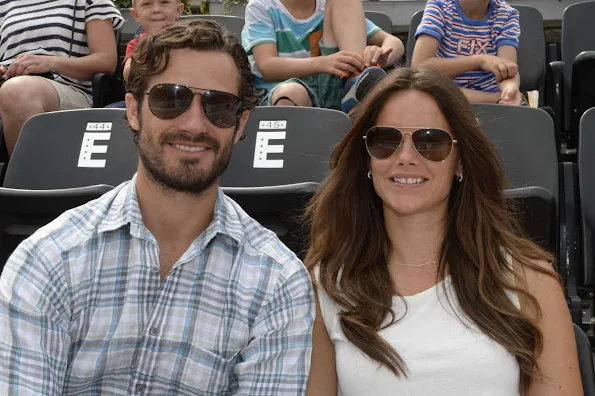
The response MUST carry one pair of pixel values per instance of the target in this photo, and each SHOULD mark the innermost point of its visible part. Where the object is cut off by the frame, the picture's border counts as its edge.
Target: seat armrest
(106, 89)
(272, 190)
(267, 199)
(570, 262)
(554, 93)
(47, 202)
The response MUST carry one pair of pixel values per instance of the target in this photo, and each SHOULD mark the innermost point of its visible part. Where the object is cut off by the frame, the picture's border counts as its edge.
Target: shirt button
(140, 388)
(153, 331)
(155, 269)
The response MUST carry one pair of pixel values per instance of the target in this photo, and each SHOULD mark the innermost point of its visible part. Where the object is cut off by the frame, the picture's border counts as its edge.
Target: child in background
(151, 15)
(475, 42)
(315, 52)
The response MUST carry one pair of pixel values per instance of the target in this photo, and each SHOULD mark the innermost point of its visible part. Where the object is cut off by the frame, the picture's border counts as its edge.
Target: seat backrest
(577, 35)
(525, 139)
(587, 193)
(531, 52)
(582, 90)
(585, 360)
(234, 24)
(73, 148)
(128, 29)
(537, 210)
(413, 24)
(285, 145)
(381, 20)
(276, 168)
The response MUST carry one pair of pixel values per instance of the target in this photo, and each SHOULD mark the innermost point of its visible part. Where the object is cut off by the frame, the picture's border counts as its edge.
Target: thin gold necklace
(416, 265)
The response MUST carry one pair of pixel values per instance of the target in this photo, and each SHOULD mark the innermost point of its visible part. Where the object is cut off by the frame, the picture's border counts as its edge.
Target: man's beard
(184, 176)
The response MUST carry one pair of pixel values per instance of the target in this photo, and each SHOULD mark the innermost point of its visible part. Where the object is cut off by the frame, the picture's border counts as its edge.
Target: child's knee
(296, 92)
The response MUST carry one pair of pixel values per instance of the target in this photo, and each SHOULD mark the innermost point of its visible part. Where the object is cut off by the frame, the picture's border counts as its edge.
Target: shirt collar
(124, 210)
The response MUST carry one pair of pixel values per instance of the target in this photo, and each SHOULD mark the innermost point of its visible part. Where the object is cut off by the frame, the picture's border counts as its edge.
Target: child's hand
(374, 55)
(502, 68)
(341, 63)
(511, 95)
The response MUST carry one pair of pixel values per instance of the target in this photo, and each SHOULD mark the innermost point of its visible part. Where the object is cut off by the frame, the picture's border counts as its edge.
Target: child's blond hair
(134, 2)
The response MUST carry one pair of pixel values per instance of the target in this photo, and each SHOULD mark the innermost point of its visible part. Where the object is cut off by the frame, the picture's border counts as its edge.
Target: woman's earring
(369, 174)
(460, 177)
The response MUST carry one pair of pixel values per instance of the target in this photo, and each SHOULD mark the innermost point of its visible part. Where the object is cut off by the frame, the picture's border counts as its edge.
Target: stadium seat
(537, 209)
(62, 160)
(381, 20)
(128, 29)
(413, 24)
(585, 360)
(582, 91)
(276, 168)
(577, 36)
(587, 197)
(531, 52)
(525, 139)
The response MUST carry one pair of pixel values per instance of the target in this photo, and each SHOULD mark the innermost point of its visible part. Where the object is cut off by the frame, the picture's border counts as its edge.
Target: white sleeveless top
(443, 356)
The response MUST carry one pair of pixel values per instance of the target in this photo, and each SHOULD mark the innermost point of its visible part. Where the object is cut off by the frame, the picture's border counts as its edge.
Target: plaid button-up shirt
(83, 309)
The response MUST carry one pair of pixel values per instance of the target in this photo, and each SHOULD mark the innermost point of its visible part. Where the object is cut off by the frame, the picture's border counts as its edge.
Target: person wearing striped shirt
(163, 286)
(475, 42)
(48, 52)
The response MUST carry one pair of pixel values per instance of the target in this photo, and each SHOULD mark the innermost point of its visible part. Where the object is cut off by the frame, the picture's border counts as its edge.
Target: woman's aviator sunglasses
(168, 101)
(432, 144)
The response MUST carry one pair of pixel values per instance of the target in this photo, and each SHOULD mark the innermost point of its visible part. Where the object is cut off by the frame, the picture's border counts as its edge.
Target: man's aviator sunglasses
(168, 101)
(432, 144)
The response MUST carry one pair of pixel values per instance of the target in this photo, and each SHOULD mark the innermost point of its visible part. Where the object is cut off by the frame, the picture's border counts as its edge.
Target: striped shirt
(458, 35)
(268, 21)
(45, 27)
(83, 309)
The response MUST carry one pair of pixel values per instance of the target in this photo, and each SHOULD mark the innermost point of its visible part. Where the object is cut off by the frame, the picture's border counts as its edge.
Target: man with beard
(164, 285)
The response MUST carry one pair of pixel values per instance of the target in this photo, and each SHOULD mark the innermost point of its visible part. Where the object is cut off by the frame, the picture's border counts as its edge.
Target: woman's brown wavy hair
(349, 243)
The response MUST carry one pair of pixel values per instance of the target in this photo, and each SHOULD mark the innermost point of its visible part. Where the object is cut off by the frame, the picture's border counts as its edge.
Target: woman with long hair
(426, 282)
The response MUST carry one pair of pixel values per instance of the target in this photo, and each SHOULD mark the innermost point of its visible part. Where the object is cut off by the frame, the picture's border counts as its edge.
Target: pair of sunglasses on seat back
(167, 101)
(433, 144)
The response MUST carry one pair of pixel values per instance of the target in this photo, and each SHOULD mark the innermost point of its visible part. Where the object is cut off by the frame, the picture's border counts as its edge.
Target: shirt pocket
(206, 372)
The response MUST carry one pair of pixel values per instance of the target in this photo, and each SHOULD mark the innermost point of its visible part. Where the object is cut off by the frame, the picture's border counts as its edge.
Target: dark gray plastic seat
(585, 360)
(381, 20)
(586, 174)
(525, 139)
(577, 37)
(413, 24)
(62, 160)
(279, 164)
(537, 210)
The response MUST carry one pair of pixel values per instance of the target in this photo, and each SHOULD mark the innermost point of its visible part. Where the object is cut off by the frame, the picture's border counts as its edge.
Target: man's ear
(241, 125)
(180, 9)
(132, 111)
